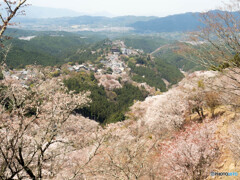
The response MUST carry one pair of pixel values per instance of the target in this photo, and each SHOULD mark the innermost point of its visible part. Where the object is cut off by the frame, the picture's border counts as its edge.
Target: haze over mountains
(39, 18)
(47, 12)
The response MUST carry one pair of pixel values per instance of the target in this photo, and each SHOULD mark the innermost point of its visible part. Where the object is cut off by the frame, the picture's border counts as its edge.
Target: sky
(132, 7)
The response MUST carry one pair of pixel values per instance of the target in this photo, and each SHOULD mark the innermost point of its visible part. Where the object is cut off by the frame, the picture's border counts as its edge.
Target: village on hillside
(111, 68)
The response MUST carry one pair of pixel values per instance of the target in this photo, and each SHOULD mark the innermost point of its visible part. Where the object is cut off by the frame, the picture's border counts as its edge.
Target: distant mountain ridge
(173, 23)
(46, 12)
(54, 19)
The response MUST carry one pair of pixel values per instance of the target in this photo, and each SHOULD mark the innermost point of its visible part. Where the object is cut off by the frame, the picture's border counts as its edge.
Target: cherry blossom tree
(8, 10)
(191, 154)
(11, 8)
(196, 103)
(31, 128)
(216, 45)
(235, 141)
(128, 158)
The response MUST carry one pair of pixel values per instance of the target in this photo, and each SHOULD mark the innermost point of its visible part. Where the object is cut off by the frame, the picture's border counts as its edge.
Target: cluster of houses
(114, 63)
(78, 68)
(113, 59)
(115, 50)
(123, 49)
(20, 75)
(126, 51)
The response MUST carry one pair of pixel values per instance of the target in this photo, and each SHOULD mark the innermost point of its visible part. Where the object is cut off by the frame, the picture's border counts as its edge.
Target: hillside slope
(163, 137)
(161, 133)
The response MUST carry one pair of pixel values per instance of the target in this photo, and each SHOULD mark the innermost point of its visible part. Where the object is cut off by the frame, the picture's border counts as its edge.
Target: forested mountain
(147, 43)
(104, 108)
(162, 49)
(168, 54)
(174, 23)
(47, 48)
(154, 71)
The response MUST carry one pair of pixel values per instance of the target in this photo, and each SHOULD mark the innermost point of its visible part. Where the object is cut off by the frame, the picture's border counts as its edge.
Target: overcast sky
(132, 7)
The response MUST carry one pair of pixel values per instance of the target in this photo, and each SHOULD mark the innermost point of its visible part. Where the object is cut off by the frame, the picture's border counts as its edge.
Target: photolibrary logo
(224, 174)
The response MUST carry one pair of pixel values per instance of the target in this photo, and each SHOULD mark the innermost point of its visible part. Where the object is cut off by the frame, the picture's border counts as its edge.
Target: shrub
(212, 101)
(56, 73)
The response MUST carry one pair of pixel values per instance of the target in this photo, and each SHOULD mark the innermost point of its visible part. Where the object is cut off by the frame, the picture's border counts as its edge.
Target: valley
(108, 68)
